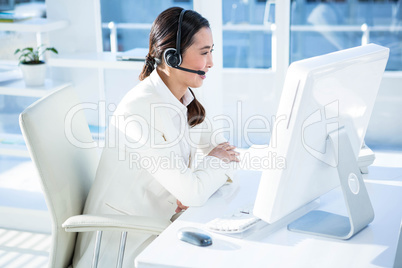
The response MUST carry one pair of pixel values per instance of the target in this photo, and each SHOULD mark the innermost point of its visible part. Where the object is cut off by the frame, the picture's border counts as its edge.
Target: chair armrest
(106, 222)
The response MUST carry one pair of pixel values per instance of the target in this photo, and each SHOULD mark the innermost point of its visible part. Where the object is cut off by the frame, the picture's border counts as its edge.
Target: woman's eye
(205, 53)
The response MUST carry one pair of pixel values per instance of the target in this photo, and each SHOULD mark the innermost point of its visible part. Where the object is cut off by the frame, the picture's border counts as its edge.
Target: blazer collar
(168, 97)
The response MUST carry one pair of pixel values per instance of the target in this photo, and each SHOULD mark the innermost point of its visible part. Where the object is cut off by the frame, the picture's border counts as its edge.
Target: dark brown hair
(163, 36)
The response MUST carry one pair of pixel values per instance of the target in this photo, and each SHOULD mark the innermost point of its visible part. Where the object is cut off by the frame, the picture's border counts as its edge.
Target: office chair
(61, 146)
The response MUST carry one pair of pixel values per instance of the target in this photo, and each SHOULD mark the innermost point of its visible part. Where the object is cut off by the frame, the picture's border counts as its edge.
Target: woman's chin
(196, 85)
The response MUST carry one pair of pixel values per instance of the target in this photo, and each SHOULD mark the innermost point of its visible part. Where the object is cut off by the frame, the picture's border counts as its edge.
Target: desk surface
(374, 246)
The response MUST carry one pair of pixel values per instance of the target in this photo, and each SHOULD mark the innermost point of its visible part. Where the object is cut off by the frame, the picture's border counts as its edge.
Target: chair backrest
(55, 131)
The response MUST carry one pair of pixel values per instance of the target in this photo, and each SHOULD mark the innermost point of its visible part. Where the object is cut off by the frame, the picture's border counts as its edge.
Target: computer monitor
(322, 118)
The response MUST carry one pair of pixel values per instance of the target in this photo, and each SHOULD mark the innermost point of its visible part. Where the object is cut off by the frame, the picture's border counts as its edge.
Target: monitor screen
(320, 95)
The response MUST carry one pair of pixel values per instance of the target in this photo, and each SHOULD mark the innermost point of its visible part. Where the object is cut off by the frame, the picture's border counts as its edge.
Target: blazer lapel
(164, 124)
(172, 135)
(194, 140)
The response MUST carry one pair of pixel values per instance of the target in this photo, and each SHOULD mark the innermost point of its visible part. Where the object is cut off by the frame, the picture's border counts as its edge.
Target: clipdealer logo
(326, 119)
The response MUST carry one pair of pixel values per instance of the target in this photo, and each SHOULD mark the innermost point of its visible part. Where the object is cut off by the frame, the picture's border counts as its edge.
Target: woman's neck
(173, 85)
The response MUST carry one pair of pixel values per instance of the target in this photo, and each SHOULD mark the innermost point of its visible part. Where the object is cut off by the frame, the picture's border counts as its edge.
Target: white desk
(375, 246)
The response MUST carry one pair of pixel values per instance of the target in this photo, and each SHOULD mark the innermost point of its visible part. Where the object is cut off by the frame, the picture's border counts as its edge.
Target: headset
(172, 56)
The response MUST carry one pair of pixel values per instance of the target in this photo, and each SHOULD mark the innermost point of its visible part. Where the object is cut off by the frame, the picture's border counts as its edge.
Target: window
(126, 23)
(247, 33)
(319, 27)
(246, 28)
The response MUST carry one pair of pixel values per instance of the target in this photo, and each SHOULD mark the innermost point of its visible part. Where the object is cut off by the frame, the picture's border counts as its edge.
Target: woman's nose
(210, 62)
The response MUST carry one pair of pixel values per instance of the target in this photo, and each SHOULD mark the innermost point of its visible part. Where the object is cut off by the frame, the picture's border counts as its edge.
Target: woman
(149, 166)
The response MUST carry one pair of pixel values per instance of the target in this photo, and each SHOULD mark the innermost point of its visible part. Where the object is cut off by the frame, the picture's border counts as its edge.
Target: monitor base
(360, 210)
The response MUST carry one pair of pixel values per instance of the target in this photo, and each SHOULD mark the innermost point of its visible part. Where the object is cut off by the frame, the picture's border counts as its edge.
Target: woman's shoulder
(144, 90)
(139, 98)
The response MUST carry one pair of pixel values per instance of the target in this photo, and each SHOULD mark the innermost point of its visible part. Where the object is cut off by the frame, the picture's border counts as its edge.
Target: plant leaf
(30, 54)
(30, 49)
(52, 49)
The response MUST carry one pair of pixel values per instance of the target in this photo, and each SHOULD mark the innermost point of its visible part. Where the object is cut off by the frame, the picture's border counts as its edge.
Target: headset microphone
(173, 57)
(199, 72)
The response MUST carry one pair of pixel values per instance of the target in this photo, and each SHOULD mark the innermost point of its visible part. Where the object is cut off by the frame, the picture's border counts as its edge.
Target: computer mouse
(194, 237)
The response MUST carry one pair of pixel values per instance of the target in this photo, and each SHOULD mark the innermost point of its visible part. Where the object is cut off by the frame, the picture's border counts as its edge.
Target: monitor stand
(357, 201)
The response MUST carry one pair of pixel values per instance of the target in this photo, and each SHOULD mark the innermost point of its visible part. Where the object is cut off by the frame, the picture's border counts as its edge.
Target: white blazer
(142, 170)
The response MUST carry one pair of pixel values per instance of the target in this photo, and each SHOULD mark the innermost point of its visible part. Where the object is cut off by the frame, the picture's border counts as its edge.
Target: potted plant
(32, 67)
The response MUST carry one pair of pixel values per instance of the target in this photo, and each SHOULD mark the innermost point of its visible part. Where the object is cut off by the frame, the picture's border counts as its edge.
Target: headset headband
(178, 38)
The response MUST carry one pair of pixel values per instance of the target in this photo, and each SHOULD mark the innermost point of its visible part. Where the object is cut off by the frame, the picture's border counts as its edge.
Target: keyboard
(237, 223)
(242, 220)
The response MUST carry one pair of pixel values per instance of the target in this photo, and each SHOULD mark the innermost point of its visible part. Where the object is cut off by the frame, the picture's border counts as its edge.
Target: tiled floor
(20, 188)
(20, 249)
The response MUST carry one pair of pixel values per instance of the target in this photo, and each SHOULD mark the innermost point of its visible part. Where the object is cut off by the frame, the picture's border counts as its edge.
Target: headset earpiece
(171, 57)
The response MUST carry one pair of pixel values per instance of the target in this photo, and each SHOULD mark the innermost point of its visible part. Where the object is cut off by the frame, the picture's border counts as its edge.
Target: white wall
(83, 34)
(250, 95)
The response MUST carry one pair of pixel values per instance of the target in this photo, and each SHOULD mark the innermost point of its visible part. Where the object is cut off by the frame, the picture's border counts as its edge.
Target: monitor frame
(357, 73)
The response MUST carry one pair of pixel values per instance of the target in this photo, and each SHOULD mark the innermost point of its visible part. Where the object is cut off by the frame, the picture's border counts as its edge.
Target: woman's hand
(180, 207)
(225, 152)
